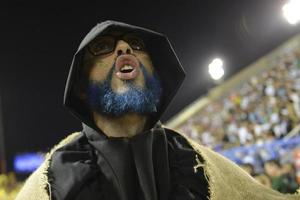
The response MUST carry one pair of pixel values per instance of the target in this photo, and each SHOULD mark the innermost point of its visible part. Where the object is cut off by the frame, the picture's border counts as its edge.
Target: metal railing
(293, 132)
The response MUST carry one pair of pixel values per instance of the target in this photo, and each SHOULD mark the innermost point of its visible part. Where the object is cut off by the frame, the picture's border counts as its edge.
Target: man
(121, 80)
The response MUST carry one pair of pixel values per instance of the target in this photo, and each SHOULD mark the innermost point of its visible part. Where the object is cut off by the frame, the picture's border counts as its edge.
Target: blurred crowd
(275, 164)
(246, 123)
(9, 186)
(280, 177)
(265, 107)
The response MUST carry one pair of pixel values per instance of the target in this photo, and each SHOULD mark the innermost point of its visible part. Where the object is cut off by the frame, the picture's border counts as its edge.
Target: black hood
(162, 55)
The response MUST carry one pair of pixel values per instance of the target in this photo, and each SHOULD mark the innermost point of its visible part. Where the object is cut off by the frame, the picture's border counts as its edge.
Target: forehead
(118, 34)
(115, 33)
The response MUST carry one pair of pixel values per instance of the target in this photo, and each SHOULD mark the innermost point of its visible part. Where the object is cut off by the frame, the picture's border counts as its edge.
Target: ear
(79, 91)
(82, 83)
(81, 87)
(82, 95)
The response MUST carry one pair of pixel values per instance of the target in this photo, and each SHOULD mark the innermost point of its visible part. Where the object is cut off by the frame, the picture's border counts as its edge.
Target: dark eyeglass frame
(112, 42)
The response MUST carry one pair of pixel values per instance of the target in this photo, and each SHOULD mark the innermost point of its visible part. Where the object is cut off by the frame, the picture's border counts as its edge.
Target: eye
(102, 45)
(135, 43)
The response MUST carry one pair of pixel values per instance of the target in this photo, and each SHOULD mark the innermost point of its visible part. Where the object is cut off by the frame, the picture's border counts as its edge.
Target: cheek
(140, 80)
(146, 61)
(100, 69)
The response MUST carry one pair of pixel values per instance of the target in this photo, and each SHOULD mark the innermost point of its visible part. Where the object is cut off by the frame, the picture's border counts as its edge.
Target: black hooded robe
(153, 165)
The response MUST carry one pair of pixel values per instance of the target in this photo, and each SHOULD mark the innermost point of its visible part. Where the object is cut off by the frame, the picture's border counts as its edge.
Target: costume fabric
(226, 181)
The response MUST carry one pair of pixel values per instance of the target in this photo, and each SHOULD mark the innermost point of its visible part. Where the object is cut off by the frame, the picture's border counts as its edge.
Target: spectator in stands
(244, 135)
(273, 170)
(249, 168)
(263, 179)
(288, 172)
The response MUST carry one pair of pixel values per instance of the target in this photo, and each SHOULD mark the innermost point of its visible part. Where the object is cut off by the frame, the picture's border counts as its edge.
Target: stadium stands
(266, 106)
(248, 117)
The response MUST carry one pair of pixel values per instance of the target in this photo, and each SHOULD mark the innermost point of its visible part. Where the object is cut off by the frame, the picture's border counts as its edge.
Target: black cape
(135, 168)
(149, 166)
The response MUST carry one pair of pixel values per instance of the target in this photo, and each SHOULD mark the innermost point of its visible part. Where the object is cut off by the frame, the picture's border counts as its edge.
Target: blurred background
(240, 97)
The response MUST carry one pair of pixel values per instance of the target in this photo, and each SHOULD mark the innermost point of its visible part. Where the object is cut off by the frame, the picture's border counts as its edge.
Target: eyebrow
(118, 34)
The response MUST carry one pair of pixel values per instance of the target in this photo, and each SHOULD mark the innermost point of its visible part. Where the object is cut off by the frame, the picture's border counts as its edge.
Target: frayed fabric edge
(37, 186)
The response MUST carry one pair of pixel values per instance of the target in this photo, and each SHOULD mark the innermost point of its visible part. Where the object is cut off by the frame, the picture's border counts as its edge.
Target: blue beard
(104, 100)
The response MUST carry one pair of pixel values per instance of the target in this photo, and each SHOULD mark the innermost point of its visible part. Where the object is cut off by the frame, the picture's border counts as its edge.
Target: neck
(127, 125)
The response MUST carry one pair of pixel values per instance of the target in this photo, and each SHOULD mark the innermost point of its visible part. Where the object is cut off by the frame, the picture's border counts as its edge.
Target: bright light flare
(215, 69)
(291, 11)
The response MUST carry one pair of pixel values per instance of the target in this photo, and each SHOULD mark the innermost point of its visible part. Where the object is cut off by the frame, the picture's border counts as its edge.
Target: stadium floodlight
(291, 11)
(215, 69)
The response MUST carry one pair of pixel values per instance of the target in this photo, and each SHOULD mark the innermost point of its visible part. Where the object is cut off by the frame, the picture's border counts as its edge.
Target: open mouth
(127, 67)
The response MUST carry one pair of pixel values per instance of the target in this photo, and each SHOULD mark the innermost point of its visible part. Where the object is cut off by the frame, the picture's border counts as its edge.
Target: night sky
(39, 40)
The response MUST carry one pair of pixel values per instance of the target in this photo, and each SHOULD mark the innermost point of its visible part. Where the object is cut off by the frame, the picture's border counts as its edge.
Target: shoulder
(185, 140)
(180, 139)
(69, 141)
(186, 168)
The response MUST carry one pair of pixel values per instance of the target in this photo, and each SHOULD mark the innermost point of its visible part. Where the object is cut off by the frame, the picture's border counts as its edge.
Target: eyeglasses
(107, 44)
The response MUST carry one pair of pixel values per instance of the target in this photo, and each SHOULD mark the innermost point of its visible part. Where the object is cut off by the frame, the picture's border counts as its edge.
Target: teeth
(127, 67)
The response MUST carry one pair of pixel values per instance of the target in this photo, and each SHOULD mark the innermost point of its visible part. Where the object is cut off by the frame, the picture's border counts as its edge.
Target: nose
(123, 47)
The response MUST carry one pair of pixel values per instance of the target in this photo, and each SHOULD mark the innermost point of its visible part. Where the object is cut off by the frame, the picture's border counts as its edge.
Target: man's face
(272, 169)
(121, 75)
